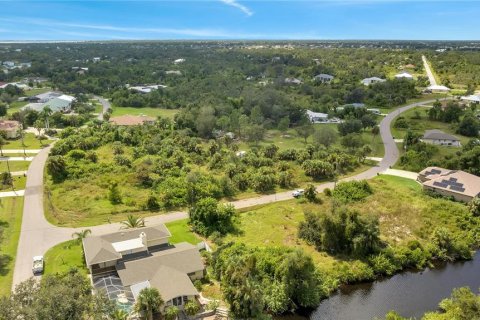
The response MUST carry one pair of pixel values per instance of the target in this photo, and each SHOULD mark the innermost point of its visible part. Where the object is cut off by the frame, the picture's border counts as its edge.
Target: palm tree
(39, 125)
(2, 143)
(133, 222)
(149, 301)
(46, 112)
(119, 314)
(80, 235)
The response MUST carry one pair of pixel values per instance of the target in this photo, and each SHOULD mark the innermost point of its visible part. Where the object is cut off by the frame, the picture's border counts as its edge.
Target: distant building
(129, 120)
(441, 138)
(174, 72)
(178, 61)
(57, 102)
(372, 80)
(460, 185)
(404, 75)
(147, 88)
(11, 128)
(438, 88)
(471, 99)
(293, 81)
(96, 59)
(374, 111)
(9, 64)
(317, 117)
(323, 78)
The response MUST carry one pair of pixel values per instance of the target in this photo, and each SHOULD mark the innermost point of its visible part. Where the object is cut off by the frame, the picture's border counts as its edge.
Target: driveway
(38, 235)
(431, 78)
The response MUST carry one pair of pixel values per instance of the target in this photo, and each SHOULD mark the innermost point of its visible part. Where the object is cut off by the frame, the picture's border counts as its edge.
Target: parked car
(298, 193)
(38, 263)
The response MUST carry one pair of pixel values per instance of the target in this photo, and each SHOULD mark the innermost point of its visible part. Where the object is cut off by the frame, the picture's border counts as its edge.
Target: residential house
(55, 101)
(178, 61)
(147, 88)
(129, 120)
(441, 138)
(438, 88)
(11, 128)
(317, 117)
(404, 75)
(9, 64)
(323, 78)
(125, 262)
(471, 99)
(174, 72)
(96, 59)
(460, 185)
(294, 81)
(372, 80)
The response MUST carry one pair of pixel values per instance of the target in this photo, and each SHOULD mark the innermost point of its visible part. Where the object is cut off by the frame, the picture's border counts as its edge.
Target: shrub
(152, 203)
(114, 194)
(327, 192)
(352, 191)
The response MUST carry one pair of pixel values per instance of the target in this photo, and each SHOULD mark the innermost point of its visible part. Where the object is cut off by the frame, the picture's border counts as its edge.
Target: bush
(114, 194)
(352, 191)
(152, 203)
(327, 192)
(401, 123)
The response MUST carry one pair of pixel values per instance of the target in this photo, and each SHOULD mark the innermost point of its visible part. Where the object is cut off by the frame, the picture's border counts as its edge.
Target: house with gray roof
(440, 138)
(323, 78)
(135, 259)
(56, 101)
(372, 80)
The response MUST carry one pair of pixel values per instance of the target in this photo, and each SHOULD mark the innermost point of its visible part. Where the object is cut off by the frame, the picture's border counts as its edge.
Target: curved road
(105, 106)
(38, 235)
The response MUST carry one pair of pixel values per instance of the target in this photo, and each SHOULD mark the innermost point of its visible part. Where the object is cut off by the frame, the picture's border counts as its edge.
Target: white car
(37, 264)
(298, 193)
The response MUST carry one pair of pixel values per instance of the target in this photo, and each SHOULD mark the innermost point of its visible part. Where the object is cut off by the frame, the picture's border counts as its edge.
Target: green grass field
(34, 92)
(30, 141)
(65, 256)
(152, 112)
(11, 210)
(16, 106)
(14, 165)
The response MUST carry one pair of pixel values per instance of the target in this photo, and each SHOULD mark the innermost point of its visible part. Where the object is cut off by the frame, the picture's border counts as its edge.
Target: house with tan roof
(460, 185)
(125, 262)
(11, 128)
(129, 120)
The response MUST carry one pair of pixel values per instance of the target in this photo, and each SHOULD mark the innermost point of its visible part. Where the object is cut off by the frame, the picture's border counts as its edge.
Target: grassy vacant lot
(405, 213)
(14, 165)
(11, 210)
(30, 141)
(18, 183)
(152, 112)
(34, 92)
(16, 106)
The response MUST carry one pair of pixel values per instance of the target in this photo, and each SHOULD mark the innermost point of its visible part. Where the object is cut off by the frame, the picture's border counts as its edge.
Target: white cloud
(237, 5)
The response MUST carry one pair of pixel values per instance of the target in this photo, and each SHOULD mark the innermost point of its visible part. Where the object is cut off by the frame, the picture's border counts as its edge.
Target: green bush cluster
(352, 191)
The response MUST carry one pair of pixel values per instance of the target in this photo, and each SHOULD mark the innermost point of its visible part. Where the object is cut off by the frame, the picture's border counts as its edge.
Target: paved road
(431, 78)
(38, 235)
(105, 105)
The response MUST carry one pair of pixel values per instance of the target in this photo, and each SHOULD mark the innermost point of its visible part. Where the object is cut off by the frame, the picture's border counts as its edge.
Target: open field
(30, 141)
(405, 214)
(11, 210)
(152, 112)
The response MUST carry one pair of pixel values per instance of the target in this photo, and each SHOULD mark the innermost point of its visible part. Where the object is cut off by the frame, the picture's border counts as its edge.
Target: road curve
(105, 106)
(38, 235)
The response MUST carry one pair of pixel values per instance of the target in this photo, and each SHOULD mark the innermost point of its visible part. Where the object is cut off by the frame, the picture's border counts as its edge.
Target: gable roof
(438, 135)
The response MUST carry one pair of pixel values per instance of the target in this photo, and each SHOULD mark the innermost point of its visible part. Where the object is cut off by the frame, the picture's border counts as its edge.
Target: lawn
(181, 232)
(11, 210)
(30, 141)
(18, 183)
(34, 92)
(16, 106)
(152, 112)
(64, 256)
(405, 213)
(14, 166)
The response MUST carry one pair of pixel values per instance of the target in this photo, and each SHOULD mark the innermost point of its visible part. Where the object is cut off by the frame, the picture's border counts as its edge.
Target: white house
(441, 138)
(404, 75)
(147, 89)
(9, 64)
(178, 61)
(372, 80)
(96, 59)
(472, 99)
(438, 88)
(317, 117)
(293, 81)
(323, 78)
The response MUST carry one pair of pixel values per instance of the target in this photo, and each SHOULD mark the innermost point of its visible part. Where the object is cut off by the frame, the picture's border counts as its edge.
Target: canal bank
(410, 294)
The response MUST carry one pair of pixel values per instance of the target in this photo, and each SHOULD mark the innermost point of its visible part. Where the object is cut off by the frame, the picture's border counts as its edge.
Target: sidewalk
(401, 173)
(7, 194)
(21, 151)
(16, 158)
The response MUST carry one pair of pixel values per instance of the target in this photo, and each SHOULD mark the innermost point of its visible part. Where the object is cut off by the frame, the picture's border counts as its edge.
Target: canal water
(411, 294)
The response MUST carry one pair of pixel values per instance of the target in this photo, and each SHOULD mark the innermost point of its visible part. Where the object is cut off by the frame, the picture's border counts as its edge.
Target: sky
(239, 19)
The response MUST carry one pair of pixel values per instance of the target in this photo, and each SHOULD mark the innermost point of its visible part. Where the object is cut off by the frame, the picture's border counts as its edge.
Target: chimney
(143, 237)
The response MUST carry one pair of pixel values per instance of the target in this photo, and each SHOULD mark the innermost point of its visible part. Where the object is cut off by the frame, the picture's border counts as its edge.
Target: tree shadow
(4, 261)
